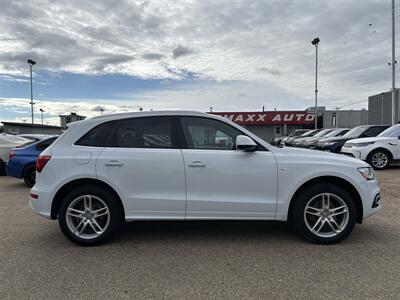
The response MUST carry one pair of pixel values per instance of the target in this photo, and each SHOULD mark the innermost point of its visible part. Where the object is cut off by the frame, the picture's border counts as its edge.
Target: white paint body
(390, 144)
(188, 184)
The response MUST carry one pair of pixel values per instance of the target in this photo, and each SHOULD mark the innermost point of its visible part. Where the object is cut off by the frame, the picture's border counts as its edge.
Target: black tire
(298, 216)
(3, 168)
(381, 153)
(30, 176)
(114, 221)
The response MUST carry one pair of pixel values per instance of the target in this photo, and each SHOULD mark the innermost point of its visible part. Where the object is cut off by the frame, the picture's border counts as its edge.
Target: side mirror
(245, 143)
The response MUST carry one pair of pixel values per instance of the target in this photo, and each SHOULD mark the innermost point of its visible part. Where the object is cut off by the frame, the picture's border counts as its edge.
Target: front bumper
(355, 152)
(369, 197)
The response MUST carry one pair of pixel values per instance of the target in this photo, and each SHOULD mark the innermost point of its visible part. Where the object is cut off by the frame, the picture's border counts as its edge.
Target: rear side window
(148, 132)
(97, 136)
(43, 145)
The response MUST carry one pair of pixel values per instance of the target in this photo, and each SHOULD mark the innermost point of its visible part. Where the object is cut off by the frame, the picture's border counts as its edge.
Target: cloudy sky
(229, 55)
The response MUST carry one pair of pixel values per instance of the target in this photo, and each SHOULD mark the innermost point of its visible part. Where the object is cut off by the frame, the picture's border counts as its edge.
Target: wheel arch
(30, 164)
(56, 203)
(348, 186)
(381, 149)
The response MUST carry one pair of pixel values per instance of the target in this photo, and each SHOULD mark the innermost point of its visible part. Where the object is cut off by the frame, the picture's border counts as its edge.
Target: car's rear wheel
(30, 176)
(324, 213)
(90, 216)
(3, 168)
(379, 159)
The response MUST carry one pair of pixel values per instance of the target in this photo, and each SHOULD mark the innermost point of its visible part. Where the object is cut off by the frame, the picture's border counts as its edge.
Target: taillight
(11, 155)
(41, 162)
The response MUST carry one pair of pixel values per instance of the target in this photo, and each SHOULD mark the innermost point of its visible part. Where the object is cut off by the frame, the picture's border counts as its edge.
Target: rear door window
(147, 132)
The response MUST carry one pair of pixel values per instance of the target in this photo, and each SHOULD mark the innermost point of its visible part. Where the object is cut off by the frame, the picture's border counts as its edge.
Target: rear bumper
(14, 170)
(41, 205)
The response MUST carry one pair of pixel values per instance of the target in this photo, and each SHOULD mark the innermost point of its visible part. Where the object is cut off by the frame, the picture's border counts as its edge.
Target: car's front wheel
(324, 213)
(379, 159)
(90, 216)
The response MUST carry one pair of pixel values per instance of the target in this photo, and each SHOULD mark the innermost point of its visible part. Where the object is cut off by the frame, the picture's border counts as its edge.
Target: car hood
(371, 139)
(304, 139)
(322, 157)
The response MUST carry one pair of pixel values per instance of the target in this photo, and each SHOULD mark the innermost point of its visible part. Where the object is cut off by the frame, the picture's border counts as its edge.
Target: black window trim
(175, 142)
(182, 138)
(45, 140)
(93, 128)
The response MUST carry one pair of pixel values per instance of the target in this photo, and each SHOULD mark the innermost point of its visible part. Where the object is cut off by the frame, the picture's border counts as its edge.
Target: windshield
(323, 133)
(355, 132)
(333, 133)
(298, 132)
(393, 131)
(336, 132)
(310, 133)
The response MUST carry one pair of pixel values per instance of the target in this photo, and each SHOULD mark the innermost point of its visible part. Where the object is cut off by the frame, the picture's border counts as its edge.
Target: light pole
(41, 112)
(315, 42)
(31, 64)
(393, 68)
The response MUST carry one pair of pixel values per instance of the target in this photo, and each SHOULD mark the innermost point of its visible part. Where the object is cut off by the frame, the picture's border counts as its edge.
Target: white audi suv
(180, 165)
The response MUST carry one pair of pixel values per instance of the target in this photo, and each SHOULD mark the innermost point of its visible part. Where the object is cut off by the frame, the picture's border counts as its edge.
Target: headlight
(328, 143)
(362, 144)
(367, 172)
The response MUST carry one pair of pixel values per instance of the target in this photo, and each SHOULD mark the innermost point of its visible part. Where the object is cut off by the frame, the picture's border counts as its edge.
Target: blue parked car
(22, 161)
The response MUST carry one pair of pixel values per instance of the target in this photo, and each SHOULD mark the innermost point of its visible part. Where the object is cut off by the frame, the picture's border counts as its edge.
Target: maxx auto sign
(269, 118)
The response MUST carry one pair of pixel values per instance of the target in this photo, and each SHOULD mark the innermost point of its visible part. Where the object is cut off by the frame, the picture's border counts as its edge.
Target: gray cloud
(181, 51)
(235, 41)
(269, 71)
(152, 56)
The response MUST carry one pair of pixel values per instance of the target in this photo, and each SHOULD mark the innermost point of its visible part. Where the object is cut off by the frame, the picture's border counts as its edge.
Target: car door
(222, 182)
(143, 162)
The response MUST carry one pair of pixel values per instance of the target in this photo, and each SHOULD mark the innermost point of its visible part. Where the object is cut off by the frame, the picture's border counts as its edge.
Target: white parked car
(379, 151)
(7, 142)
(173, 166)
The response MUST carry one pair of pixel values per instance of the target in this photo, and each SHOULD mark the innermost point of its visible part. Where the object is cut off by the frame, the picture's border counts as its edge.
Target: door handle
(113, 163)
(197, 164)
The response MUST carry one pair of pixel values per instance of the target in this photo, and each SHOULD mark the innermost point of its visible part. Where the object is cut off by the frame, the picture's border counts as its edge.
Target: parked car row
(7, 142)
(18, 154)
(22, 160)
(379, 145)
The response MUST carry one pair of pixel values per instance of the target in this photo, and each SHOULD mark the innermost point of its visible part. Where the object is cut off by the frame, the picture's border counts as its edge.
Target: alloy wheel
(326, 215)
(379, 160)
(88, 217)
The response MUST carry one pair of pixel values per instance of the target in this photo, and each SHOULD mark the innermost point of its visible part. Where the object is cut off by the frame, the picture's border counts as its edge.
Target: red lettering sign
(269, 118)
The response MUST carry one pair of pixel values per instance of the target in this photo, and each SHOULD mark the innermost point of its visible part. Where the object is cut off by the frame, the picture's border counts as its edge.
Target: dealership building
(380, 108)
(270, 124)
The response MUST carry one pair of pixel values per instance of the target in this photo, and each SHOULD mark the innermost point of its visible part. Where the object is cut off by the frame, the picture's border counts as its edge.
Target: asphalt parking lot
(198, 259)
